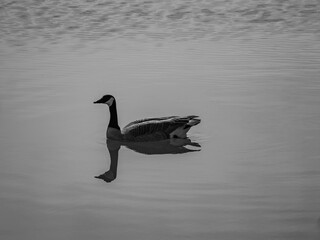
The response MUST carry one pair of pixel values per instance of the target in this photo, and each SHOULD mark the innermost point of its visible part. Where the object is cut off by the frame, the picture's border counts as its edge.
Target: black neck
(113, 116)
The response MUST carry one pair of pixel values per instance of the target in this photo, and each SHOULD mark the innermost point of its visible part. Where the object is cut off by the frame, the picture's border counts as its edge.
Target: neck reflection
(170, 146)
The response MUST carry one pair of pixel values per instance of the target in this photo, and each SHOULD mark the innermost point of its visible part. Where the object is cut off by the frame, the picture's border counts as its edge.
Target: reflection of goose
(146, 130)
(111, 174)
(169, 146)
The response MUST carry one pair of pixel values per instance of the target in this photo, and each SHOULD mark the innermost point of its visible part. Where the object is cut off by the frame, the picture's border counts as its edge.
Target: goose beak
(99, 101)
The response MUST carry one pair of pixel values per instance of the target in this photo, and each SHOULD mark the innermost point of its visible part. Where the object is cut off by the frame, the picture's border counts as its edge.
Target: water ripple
(25, 21)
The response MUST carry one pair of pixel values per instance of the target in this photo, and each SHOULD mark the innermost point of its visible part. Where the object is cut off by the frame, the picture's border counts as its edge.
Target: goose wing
(156, 126)
(146, 120)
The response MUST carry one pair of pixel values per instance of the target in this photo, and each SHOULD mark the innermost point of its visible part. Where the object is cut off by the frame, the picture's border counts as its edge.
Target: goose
(148, 129)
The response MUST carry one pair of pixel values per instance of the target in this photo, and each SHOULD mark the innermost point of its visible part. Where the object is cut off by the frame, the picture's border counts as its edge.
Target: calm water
(249, 69)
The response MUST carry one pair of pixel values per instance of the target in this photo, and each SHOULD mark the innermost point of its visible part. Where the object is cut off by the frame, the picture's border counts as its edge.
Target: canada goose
(150, 129)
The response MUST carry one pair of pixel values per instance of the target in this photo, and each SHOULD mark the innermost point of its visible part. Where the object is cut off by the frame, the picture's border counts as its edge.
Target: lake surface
(249, 69)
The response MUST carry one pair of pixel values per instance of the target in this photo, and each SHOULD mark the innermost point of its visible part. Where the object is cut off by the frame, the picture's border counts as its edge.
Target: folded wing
(158, 128)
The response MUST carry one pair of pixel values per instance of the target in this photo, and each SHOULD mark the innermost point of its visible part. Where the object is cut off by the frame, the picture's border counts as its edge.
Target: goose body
(149, 129)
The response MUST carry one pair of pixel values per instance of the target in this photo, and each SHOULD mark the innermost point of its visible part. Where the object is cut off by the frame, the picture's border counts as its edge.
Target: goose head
(106, 99)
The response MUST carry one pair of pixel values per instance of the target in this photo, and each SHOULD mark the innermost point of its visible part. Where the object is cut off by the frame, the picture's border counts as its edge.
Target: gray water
(249, 69)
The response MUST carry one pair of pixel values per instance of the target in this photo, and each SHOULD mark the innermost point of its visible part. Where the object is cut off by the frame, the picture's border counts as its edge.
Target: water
(249, 69)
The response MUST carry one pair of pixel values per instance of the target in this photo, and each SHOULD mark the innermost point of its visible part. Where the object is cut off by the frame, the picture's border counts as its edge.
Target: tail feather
(193, 122)
(192, 116)
(188, 122)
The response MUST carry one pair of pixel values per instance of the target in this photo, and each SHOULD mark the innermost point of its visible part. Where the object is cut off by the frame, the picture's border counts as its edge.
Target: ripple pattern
(56, 20)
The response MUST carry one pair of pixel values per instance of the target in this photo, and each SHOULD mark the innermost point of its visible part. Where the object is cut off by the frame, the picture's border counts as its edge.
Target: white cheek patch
(110, 101)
